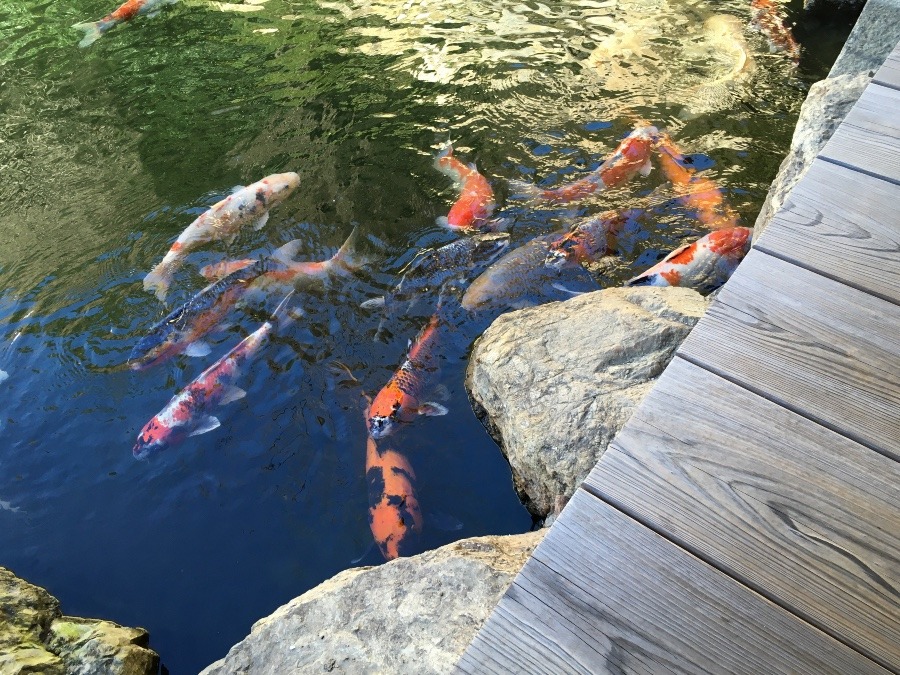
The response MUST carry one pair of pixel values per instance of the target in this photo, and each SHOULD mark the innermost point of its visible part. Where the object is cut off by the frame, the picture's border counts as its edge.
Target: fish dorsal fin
(681, 249)
(198, 349)
(287, 253)
(373, 303)
(260, 222)
(206, 424)
(232, 394)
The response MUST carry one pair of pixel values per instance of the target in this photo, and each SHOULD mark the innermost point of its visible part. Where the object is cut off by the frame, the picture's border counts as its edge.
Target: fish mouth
(380, 426)
(143, 449)
(555, 259)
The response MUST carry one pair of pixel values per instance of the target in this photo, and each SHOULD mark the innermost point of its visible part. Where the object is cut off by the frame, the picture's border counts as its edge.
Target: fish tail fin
(348, 259)
(159, 278)
(92, 30)
(522, 189)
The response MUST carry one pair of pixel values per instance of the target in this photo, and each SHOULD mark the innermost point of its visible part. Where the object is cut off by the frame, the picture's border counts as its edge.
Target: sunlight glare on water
(109, 152)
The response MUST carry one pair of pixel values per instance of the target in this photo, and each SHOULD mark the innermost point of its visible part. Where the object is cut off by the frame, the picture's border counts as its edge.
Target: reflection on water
(107, 154)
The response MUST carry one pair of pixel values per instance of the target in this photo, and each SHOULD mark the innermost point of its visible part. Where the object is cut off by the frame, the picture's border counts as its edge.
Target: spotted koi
(631, 157)
(768, 21)
(703, 265)
(223, 220)
(695, 192)
(395, 516)
(400, 400)
(589, 240)
(93, 30)
(188, 412)
(475, 203)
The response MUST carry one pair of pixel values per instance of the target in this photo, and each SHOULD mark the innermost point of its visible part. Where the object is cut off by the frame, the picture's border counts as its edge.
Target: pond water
(108, 152)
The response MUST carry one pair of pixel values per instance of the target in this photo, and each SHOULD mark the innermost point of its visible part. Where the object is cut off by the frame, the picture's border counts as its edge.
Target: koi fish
(223, 220)
(182, 328)
(400, 400)
(697, 193)
(188, 412)
(395, 516)
(590, 239)
(475, 203)
(433, 268)
(93, 30)
(631, 157)
(703, 265)
(767, 21)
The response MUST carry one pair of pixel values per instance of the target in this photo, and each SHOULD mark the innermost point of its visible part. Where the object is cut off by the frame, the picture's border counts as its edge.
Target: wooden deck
(747, 518)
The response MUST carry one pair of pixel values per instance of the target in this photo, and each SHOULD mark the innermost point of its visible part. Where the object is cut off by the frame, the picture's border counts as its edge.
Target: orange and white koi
(395, 516)
(703, 265)
(631, 157)
(768, 21)
(697, 193)
(223, 220)
(400, 400)
(188, 412)
(590, 239)
(125, 12)
(475, 203)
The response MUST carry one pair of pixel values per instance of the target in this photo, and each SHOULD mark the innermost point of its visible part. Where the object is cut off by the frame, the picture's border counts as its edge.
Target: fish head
(153, 348)
(557, 257)
(280, 185)
(154, 437)
(490, 245)
(381, 426)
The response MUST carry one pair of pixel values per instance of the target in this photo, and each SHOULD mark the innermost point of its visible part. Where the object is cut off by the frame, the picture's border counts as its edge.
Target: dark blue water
(107, 153)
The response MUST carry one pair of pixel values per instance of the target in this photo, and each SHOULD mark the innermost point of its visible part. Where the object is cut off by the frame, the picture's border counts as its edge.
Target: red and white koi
(590, 239)
(631, 157)
(697, 193)
(188, 412)
(400, 400)
(395, 516)
(768, 21)
(703, 265)
(475, 203)
(223, 220)
(125, 12)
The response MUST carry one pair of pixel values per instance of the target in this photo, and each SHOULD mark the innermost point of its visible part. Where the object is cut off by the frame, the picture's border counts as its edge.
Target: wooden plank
(813, 345)
(889, 73)
(869, 137)
(604, 594)
(806, 516)
(842, 224)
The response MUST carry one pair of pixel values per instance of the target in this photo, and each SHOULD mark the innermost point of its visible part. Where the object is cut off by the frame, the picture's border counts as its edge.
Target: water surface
(107, 153)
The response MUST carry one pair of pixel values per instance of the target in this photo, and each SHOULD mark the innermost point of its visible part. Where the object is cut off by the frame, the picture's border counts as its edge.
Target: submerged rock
(36, 638)
(555, 383)
(411, 615)
(874, 36)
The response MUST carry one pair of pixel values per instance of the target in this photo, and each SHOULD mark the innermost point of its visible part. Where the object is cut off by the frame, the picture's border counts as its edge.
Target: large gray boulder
(554, 383)
(411, 615)
(36, 638)
(874, 36)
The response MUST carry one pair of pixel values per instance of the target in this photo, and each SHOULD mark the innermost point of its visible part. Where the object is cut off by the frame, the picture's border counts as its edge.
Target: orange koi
(766, 20)
(400, 400)
(697, 193)
(703, 265)
(631, 157)
(125, 12)
(475, 203)
(395, 517)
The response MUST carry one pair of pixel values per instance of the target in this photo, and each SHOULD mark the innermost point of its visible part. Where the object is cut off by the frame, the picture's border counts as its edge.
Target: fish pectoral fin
(443, 521)
(442, 392)
(208, 423)
(232, 394)
(443, 221)
(198, 349)
(261, 221)
(646, 168)
(558, 286)
(432, 409)
(236, 188)
(373, 303)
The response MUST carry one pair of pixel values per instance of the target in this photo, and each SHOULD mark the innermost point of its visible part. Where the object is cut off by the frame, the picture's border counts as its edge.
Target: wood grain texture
(603, 594)
(869, 137)
(843, 224)
(889, 73)
(818, 347)
(806, 516)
